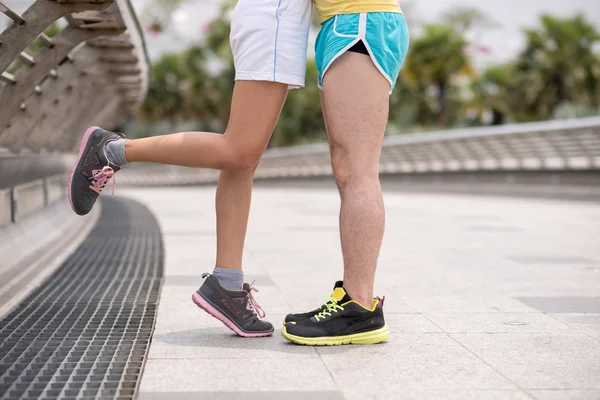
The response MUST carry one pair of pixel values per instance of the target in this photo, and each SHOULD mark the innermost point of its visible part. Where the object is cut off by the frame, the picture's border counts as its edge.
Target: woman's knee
(242, 158)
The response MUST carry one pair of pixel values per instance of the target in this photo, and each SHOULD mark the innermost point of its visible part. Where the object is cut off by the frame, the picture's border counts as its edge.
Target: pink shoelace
(100, 177)
(252, 303)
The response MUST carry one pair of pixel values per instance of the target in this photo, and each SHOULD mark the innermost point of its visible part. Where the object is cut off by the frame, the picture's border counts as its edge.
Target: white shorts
(269, 39)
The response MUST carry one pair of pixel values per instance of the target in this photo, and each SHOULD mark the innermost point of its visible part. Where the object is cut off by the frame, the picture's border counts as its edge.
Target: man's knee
(350, 172)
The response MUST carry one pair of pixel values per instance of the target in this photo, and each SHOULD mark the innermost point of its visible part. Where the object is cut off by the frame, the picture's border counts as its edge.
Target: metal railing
(94, 71)
(560, 145)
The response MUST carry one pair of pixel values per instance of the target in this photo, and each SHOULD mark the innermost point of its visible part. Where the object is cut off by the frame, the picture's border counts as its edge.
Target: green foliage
(557, 69)
(560, 65)
(435, 59)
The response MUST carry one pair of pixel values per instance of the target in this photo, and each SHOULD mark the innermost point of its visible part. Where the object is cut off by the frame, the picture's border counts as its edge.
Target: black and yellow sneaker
(307, 315)
(343, 321)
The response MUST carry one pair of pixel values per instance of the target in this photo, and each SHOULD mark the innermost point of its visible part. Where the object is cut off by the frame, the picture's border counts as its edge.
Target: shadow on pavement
(221, 338)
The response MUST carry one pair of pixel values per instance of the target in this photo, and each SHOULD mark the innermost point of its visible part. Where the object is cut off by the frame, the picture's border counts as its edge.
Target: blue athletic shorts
(384, 34)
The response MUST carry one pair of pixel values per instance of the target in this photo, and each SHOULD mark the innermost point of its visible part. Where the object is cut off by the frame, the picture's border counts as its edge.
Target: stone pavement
(486, 298)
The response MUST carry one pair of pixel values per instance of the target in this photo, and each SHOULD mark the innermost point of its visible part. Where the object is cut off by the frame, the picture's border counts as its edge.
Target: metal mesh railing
(84, 334)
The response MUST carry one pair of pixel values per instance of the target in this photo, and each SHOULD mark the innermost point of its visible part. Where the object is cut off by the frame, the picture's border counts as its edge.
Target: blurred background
(471, 63)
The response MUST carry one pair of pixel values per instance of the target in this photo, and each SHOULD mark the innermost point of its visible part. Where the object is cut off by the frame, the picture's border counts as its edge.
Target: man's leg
(355, 102)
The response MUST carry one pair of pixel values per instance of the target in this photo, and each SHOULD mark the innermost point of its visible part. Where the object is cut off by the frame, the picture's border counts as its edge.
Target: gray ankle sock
(231, 279)
(115, 151)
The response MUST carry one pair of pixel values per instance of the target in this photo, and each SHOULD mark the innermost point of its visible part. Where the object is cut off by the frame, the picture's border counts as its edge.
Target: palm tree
(496, 90)
(436, 58)
(559, 59)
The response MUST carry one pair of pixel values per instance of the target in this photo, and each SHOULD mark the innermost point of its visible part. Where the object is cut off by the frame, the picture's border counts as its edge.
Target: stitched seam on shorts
(379, 67)
(335, 32)
(276, 34)
(338, 55)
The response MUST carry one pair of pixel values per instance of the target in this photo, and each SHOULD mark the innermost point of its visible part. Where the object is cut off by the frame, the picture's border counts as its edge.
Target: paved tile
(540, 361)
(581, 304)
(587, 323)
(407, 362)
(498, 323)
(476, 301)
(493, 228)
(410, 323)
(467, 281)
(412, 394)
(548, 259)
(215, 341)
(258, 395)
(566, 394)
(242, 374)
(189, 249)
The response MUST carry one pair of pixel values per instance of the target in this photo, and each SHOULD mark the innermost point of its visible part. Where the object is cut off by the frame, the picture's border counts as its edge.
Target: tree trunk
(497, 117)
(592, 88)
(559, 85)
(442, 116)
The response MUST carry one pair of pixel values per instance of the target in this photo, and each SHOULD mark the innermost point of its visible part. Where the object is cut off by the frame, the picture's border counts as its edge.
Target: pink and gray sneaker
(237, 309)
(92, 170)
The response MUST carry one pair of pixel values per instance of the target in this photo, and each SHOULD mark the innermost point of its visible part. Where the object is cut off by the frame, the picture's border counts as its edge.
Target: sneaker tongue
(340, 295)
(338, 284)
(246, 287)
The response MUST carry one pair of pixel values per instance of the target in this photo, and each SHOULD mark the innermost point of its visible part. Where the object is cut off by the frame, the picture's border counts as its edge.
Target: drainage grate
(84, 334)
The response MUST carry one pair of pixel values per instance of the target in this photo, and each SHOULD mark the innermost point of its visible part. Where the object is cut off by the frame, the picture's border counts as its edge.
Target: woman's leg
(255, 110)
(254, 113)
(232, 204)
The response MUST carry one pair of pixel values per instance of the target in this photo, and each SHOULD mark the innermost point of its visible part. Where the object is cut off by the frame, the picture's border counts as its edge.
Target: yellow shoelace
(332, 307)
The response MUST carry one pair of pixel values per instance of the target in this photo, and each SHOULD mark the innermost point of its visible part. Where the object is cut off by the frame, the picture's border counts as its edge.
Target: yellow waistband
(331, 8)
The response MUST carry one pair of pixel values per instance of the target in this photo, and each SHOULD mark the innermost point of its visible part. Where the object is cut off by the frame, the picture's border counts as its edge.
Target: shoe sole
(371, 337)
(206, 306)
(84, 141)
